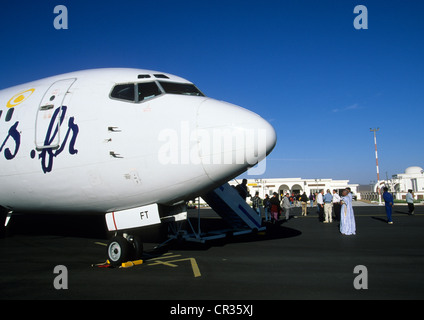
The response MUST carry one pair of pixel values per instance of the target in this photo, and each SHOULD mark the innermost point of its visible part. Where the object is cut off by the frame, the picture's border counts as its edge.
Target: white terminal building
(412, 179)
(295, 185)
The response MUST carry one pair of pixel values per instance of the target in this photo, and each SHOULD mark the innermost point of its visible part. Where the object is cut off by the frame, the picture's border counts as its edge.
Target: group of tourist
(342, 207)
(327, 203)
(273, 207)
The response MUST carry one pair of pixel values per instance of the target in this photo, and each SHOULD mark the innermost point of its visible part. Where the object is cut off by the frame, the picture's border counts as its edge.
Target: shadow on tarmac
(380, 219)
(272, 232)
(92, 226)
(64, 225)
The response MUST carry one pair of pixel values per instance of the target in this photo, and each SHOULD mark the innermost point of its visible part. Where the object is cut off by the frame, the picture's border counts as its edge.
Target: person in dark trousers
(257, 203)
(410, 202)
(388, 201)
(267, 208)
(336, 205)
(320, 205)
(304, 199)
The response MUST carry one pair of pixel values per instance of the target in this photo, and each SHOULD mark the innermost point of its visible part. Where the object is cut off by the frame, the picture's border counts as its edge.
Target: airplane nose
(231, 139)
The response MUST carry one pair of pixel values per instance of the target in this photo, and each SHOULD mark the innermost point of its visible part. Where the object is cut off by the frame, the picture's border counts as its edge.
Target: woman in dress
(347, 219)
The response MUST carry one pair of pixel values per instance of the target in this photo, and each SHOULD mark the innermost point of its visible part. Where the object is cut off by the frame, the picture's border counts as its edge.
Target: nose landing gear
(124, 248)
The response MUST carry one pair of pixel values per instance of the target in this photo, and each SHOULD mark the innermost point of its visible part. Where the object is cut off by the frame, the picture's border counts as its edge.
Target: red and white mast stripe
(376, 161)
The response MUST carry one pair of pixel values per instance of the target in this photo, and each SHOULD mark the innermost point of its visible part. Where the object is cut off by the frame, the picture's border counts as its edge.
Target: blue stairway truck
(226, 202)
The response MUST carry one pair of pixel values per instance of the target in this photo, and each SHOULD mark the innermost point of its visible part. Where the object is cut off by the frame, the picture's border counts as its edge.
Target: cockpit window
(139, 92)
(181, 88)
(147, 91)
(124, 92)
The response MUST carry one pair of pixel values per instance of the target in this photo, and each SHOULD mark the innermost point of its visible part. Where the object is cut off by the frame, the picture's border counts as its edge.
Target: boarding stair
(226, 202)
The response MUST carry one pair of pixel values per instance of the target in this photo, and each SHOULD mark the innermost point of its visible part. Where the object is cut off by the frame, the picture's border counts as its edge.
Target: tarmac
(296, 259)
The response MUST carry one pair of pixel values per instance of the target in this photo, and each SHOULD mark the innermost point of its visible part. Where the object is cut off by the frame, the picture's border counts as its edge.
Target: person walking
(410, 202)
(388, 201)
(243, 190)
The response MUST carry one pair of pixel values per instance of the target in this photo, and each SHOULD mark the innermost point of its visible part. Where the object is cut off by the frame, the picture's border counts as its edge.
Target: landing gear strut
(124, 248)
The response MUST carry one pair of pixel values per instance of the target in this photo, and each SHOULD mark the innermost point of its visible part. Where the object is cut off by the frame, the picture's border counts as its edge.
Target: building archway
(297, 189)
(283, 189)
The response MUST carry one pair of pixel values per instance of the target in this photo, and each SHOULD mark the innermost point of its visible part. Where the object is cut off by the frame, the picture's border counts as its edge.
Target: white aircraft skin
(111, 154)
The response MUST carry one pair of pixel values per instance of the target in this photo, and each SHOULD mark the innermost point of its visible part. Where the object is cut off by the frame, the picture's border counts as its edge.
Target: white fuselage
(77, 143)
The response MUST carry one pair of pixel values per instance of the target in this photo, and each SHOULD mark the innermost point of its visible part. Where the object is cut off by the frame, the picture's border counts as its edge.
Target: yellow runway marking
(171, 263)
(195, 267)
(169, 256)
(160, 261)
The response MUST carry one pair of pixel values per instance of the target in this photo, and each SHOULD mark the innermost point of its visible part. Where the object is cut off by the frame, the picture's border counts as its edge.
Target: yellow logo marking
(19, 98)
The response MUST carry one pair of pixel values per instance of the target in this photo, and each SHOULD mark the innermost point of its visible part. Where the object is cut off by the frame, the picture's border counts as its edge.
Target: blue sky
(299, 64)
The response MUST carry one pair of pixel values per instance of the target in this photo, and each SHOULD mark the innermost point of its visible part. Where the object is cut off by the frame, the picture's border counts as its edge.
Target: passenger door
(47, 125)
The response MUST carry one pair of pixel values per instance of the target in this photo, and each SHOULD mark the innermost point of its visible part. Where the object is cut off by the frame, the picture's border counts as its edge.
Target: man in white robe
(347, 219)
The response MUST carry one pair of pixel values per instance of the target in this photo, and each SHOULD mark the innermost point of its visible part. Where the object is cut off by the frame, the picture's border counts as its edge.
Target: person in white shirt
(410, 202)
(336, 205)
(320, 205)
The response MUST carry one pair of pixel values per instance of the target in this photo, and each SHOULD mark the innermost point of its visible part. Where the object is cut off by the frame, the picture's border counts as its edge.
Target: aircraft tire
(118, 251)
(137, 247)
